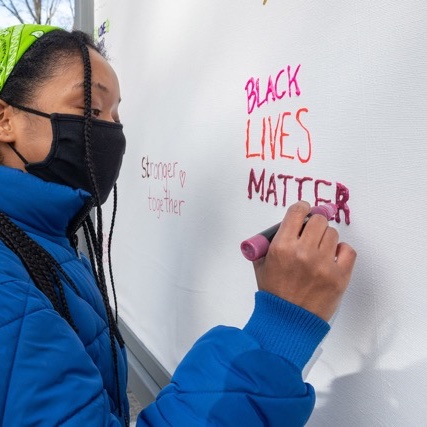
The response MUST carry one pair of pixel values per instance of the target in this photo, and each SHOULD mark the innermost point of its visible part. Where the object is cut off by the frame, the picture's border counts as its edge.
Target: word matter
(279, 185)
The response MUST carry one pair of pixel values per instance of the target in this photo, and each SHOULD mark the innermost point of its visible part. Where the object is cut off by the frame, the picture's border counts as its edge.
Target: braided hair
(40, 62)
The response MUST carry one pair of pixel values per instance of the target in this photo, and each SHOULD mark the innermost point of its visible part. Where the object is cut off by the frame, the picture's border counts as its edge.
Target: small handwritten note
(166, 182)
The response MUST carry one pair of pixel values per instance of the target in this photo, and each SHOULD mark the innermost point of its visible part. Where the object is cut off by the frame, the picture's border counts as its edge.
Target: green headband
(14, 42)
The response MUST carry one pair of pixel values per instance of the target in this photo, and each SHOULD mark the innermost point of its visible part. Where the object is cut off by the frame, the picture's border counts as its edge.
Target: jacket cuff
(285, 329)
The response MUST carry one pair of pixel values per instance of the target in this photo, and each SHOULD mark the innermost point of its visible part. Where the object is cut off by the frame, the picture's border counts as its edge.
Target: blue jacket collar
(41, 207)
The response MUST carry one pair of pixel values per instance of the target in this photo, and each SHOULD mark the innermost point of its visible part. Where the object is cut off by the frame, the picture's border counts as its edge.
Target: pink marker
(257, 246)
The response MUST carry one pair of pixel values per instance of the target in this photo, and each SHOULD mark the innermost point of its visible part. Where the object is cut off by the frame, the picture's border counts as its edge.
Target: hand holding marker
(257, 246)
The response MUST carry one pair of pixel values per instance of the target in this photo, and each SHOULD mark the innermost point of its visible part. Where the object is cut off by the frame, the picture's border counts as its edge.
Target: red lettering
(273, 138)
(258, 185)
(272, 189)
(285, 187)
(318, 199)
(274, 130)
(306, 159)
(248, 132)
(300, 184)
(342, 193)
(342, 196)
(283, 135)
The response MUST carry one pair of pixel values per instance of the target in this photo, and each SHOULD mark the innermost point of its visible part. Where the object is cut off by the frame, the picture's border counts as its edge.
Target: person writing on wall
(62, 358)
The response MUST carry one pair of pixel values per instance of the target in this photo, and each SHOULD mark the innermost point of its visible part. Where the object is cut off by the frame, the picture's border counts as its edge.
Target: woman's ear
(7, 123)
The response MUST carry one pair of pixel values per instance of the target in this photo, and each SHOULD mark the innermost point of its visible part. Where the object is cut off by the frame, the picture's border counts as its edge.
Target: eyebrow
(94, 84)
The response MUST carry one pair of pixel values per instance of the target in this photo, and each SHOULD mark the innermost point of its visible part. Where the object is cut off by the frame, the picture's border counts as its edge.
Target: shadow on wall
(370, 398)
(388, 388)
(375, 397)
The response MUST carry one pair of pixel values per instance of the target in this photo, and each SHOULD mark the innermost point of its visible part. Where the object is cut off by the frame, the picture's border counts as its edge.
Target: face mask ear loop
(24, 160)
(30, 110)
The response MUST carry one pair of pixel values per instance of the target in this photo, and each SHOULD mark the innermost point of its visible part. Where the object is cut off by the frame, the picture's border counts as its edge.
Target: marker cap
(255, 247)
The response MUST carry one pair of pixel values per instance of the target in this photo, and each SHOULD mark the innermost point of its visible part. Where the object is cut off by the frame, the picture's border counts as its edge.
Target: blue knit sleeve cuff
(285, 329)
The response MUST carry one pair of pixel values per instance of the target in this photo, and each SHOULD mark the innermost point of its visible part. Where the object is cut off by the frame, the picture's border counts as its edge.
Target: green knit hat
(14, 42)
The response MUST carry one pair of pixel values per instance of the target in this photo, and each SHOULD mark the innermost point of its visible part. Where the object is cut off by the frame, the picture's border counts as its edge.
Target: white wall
(183, 67)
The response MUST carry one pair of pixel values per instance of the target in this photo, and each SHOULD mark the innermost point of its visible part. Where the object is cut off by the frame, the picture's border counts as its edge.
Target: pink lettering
(293, 80)
(341, 199)
(272, 190)
(300, 184)
(285, 187)
(252, 88)
(272, 193)
(318, 199)
(259, 186)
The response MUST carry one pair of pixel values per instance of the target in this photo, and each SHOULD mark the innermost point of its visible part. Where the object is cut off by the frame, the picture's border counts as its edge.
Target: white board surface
(344, 85)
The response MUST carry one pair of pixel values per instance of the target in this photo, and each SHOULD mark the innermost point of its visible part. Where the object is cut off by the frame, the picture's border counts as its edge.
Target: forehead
(70, 76)
(66, 88)
(102, 71)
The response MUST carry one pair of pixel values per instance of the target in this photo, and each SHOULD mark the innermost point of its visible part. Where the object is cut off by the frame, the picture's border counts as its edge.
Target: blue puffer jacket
(51, 376)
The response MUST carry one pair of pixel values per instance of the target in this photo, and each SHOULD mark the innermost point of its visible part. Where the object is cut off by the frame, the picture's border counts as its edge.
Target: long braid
(110, 239)
(98, 242)
(44, 270)
(90, 237)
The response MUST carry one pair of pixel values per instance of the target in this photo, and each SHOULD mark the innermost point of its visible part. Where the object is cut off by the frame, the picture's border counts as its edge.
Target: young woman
(62, 359)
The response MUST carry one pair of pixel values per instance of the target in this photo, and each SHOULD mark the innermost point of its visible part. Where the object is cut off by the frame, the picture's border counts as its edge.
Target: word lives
(166, 181)
(285, 137)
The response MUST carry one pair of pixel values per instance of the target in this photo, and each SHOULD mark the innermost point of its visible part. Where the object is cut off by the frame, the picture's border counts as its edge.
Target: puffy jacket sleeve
(47, 377)
(250, 377)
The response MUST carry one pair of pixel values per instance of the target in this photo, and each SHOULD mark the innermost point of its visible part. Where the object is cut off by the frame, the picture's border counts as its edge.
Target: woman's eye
(96, 112)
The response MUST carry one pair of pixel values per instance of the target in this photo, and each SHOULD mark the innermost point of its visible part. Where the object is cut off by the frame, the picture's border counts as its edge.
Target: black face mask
(66, 162)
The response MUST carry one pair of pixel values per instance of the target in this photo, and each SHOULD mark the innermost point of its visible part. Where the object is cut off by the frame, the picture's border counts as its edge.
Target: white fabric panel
(360, 94)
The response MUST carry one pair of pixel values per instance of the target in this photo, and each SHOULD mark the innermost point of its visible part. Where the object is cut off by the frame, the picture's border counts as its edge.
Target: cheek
(38, 140)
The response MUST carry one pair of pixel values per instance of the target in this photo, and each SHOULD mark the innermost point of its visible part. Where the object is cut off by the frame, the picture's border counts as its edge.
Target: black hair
(42, 61)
